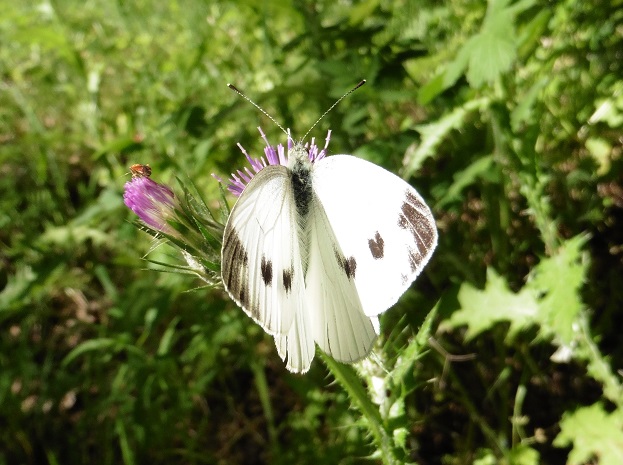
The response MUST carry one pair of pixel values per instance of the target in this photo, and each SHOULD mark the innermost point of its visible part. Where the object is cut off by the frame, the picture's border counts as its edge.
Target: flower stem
(348, 379)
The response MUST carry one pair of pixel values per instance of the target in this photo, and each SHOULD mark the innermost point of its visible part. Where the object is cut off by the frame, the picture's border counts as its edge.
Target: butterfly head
(306, 153)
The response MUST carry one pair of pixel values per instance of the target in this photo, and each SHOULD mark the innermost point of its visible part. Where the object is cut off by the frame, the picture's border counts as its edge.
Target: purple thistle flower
(153, 203)
(272, 156)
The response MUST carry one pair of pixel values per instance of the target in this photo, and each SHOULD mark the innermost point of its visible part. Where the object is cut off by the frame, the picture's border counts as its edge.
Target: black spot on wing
(266, 267)
(349, 265)
(243, 297)
(377, 246)
(288, 275)
(414, 217)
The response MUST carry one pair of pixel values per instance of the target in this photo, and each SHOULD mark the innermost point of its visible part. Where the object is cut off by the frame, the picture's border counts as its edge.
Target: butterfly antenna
(239, 92)
(361, 83)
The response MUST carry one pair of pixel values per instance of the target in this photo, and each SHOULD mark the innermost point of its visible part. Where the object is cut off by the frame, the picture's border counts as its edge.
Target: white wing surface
(261, 261)
(297, 349)
(381, 224)
(339, 324)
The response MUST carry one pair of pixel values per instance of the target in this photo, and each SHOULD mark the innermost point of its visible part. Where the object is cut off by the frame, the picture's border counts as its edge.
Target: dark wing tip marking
(237, 258)
(266, 268)
(377, 246)
(236, 273)
(349, 265)
(415, 217)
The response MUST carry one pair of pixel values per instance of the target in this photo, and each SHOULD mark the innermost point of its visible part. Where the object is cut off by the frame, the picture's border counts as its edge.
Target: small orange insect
(140, 171)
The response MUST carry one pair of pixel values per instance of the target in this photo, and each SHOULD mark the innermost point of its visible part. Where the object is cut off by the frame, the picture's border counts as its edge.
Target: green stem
(264, 395)
(598, 366)
(348, 379)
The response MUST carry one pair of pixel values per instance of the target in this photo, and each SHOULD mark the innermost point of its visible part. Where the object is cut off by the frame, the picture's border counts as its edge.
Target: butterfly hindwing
(339, 324)
(261, 264)
(380, 222)
(297, 348)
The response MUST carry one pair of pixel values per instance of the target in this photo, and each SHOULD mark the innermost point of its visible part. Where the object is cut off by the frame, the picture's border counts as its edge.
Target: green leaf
(480, 167)
(493, 50)
(414, 350)
(551, 299)
(559, 280)
(346, 376)
(601, 151)
(105, 345)
(592, 432)
(168, 337)
(17, 289)
(489, 53)
(481, 309)
(523, 455)
(434, 133)
(523, 113)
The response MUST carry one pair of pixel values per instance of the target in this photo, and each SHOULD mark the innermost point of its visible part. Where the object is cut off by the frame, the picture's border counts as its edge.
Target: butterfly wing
(339, 324)
(297, 347)
(382, 225)
(261, 261)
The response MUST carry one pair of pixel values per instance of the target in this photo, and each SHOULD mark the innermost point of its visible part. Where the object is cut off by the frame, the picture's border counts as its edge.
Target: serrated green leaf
(592, 432)
(551, 299)
(434, 133)
(481, 309)
(559, 279)
(414, 350)
(493, 50)
(481, 166)
(490, 55)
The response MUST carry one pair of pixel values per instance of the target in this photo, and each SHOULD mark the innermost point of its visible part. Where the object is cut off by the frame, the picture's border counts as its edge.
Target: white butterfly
(316, 248)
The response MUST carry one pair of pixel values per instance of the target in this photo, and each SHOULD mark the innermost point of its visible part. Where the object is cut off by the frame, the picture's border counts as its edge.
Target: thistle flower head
(272, 156)
(153, 203)
(184, 221)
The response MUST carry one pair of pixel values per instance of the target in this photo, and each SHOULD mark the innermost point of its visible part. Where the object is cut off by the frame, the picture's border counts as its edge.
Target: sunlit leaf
(434, 133)
(481, 309)
(593, 434)
(559, 279)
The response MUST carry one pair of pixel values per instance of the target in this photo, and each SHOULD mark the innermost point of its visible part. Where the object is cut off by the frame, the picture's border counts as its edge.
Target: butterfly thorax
(300, 167)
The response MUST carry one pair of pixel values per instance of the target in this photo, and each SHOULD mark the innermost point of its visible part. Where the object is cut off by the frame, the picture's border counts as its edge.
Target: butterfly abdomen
(301, 185)
(300, 175)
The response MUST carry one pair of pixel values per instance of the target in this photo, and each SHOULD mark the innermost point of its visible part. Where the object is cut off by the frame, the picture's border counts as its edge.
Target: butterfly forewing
(380, 222)
(261, 265)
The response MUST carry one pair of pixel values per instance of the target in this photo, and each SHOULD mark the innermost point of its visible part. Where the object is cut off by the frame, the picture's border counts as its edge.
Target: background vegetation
(507, 117)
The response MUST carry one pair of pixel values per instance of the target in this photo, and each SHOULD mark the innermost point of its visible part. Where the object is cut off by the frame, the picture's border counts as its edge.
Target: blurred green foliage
(507, 117)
